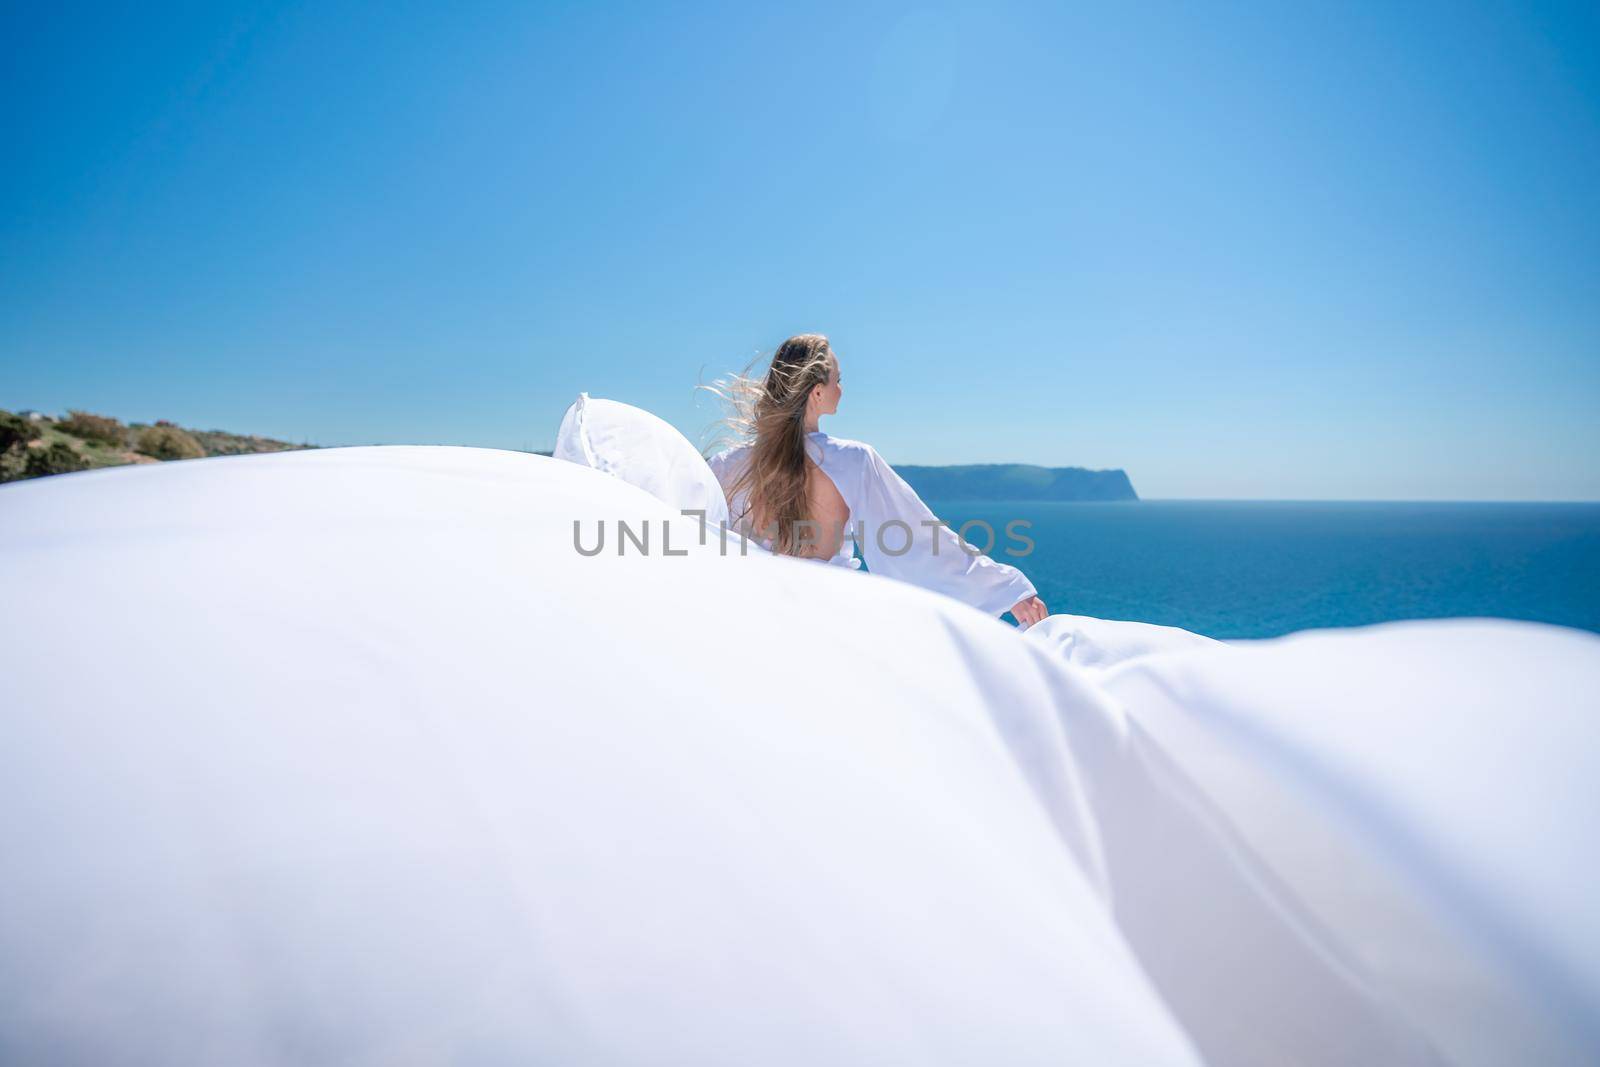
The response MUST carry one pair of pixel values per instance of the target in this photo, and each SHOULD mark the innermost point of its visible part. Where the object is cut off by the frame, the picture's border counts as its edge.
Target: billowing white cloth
(894, 531)
(346, 755)
(1100, 644)
(378, 768)
(1424, 790)
(641, 449)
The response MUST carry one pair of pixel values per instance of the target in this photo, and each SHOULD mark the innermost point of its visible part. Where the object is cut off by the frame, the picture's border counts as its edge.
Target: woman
(801, 492)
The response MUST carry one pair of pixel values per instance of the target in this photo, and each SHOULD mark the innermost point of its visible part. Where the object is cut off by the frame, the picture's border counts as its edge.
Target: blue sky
(1279, 250)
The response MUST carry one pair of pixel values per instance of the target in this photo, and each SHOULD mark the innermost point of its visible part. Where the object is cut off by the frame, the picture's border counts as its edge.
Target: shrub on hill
(169, 442)
(95, 428)
(56, 458)
(219, 443)
(15, 431)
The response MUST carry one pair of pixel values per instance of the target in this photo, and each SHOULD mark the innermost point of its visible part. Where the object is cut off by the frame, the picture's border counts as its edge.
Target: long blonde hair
(769, 412)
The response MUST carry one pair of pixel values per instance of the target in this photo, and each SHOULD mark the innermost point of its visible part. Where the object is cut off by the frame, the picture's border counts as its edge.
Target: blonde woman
(802, 492)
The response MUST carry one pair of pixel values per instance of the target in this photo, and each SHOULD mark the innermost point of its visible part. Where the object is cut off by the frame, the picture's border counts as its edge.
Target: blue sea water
(1243, 569)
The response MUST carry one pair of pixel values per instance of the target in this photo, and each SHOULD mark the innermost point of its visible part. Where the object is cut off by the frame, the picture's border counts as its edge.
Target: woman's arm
(935, 557)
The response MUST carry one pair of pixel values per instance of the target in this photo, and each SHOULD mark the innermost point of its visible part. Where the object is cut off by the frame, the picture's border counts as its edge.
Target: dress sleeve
(936, 557)
(719, 467)
(724, 466)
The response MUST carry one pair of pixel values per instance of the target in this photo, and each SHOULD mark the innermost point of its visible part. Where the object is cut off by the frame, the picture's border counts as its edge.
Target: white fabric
(643, 450)
(347, 756)
(376, 767)
(878, 497)
(1427, 790)
(1100, 644)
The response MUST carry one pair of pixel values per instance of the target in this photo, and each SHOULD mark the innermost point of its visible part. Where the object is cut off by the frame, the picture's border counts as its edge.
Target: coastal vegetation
(33, 444)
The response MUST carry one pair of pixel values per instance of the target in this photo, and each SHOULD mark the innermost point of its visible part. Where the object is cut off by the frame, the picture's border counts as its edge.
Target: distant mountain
(1017, 481)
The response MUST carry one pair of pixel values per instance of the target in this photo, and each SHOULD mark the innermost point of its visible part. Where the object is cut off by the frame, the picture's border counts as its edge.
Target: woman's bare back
(826, 507)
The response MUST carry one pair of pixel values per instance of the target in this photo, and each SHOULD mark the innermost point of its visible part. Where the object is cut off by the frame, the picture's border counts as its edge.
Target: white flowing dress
(425, 783)
(891, 528)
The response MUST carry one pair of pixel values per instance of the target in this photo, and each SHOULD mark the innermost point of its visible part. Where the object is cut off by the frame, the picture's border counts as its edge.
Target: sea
(1254, 569)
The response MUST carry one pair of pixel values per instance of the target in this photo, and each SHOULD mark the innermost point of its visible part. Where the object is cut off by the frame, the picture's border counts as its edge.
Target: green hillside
(33, 445)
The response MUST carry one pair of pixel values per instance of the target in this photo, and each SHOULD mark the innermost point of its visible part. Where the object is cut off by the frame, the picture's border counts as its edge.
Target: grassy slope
(98, 453)
(101, 454)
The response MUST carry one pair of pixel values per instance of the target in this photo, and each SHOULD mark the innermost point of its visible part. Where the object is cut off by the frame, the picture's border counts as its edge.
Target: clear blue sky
(1276, 250)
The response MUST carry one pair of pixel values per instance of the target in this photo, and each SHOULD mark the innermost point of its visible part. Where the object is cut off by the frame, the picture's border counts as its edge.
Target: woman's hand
(1029, 611)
